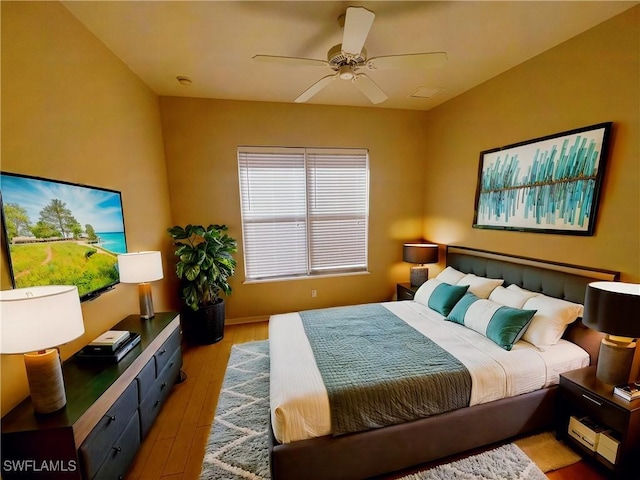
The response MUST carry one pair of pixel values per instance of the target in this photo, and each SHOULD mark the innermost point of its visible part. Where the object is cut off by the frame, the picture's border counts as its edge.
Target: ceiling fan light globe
(346, 72)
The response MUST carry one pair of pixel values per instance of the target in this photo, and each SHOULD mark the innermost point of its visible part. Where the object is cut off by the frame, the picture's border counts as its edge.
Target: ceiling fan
(349, 57)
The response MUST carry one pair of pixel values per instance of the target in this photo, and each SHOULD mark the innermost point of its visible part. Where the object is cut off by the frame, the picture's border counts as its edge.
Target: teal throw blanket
(379, 371)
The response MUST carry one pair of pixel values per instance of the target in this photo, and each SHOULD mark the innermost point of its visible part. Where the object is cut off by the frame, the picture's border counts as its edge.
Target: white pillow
(481, 287)
(510, 297)
(516, 288)
(425, 290)
(450, 275)
(551, 319)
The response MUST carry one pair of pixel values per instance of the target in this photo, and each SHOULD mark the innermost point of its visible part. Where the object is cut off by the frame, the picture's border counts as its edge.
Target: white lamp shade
(37, 318)
(140, 267)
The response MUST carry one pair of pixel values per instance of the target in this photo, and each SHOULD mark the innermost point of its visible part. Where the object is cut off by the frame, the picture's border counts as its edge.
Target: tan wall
(590, 79)
(72, 111)
(201, 138)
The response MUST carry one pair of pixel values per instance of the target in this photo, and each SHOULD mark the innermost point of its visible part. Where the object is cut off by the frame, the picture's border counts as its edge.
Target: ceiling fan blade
(357, 23)
(367, 86)
(315, 88)
(410, 60)
(293, 61)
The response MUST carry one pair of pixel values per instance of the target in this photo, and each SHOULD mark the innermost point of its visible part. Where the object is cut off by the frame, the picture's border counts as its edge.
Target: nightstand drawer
(580, 395)
(595, 406)
(405, 291)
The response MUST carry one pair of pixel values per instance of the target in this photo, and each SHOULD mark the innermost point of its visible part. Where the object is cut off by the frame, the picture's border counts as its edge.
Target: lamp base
(46, 385)
(419, 275)
(146, 301)
(615, 360)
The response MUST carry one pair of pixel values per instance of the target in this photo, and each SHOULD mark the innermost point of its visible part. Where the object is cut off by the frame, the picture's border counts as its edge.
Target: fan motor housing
(336, 58)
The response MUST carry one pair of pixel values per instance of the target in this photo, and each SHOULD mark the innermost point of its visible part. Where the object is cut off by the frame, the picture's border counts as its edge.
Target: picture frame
(549, 184)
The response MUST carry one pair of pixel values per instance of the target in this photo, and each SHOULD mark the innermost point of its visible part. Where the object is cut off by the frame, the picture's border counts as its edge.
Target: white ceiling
(213, 43)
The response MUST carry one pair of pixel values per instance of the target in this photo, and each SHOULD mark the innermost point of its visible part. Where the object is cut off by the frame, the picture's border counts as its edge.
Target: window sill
(305, 277)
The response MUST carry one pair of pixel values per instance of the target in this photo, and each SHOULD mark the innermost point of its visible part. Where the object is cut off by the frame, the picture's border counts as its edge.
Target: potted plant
(204, 267)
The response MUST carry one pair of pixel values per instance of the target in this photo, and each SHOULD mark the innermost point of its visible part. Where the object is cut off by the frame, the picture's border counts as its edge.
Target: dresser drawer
(146, 379)
(166, 351)
(596, 407)
(153, 401)
(97, 445)
(121, 453)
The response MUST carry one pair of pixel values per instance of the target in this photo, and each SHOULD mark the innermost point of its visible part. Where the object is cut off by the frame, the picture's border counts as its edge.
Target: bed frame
(389, 449)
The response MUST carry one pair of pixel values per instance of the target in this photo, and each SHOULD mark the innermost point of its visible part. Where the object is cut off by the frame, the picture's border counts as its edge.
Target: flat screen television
(60, 233)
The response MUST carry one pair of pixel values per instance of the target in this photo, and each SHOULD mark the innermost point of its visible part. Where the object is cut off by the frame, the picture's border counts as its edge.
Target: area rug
(238, 444)
(506, 462)
(548, 453)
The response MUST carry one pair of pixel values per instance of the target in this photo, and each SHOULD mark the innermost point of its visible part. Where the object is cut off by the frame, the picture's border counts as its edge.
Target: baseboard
(241, 320)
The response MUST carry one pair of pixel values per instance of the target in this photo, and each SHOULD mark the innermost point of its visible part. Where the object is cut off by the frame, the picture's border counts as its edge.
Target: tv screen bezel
(5, 236)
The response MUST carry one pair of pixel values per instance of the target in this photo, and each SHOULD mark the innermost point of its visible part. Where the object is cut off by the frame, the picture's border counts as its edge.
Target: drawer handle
(171, 364)
(592, 400)
(163, 351)
(112, 418)
(117, 449)
(157, 403)
(583, 438)
(164, 384)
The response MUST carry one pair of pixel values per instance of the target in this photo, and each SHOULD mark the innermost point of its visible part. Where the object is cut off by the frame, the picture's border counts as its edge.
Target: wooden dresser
(110, 408)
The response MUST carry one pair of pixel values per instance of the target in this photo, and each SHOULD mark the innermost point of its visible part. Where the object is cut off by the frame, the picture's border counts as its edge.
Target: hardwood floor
(174, 447)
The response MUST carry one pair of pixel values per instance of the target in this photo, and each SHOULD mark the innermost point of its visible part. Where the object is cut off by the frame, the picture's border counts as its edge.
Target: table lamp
(141, 268)
(34, 321)
(614, 308)
(419, 253)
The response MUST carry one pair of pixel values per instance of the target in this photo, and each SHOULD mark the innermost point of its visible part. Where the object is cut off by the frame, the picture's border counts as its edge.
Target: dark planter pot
(204, 326)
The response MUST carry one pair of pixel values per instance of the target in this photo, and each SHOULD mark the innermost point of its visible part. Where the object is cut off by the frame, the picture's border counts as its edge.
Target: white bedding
(299, 400)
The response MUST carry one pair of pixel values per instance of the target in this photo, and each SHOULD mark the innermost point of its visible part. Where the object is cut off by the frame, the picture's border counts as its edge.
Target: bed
(321, 444)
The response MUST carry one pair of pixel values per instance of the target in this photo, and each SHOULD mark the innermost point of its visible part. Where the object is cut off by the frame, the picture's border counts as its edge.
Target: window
(304, 211)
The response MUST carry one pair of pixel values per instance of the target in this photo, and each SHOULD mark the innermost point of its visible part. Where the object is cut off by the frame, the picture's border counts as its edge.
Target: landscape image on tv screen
(60, 233)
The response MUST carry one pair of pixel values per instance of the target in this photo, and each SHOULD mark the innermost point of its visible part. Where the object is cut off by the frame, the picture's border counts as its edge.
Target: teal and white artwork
(550, 184)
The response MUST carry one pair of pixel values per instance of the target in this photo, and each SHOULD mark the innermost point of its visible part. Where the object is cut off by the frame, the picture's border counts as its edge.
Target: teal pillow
(508, 325)
(501, 324)
(445, 296)
(457, 313)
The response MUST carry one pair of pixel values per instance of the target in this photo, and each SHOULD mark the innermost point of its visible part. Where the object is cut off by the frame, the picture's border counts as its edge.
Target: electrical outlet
(314, 293)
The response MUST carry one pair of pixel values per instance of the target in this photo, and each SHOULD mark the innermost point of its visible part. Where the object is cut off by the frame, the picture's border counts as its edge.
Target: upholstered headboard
(568, 282)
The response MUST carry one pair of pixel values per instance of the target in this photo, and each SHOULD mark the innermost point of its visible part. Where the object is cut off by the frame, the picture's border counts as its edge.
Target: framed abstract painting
(548, 185)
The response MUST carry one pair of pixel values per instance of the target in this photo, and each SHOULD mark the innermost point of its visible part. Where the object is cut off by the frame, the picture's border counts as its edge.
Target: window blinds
(304, 211)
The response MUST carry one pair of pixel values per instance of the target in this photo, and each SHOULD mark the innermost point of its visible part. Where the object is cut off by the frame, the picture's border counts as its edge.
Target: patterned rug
(238, 445)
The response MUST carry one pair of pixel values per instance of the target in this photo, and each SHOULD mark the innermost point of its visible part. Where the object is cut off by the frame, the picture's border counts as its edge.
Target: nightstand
(581, 395)
(405, 291)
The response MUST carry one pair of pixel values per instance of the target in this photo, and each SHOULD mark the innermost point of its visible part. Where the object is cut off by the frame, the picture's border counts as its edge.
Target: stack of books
(628, 391)
(110, 347)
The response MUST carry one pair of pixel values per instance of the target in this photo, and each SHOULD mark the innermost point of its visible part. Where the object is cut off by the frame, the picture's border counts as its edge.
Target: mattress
(300, 404)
